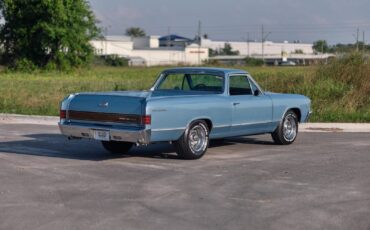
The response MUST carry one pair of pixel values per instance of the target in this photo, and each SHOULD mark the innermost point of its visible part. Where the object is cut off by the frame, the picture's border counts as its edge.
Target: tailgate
(107, 108)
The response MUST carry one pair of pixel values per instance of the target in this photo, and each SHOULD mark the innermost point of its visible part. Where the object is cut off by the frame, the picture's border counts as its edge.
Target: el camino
(187, 107)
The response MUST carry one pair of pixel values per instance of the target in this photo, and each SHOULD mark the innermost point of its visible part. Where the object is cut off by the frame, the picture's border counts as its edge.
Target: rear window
(192, 82)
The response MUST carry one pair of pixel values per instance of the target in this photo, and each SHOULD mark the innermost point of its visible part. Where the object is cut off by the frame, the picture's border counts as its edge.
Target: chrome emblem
(104, 104)
(124, 119)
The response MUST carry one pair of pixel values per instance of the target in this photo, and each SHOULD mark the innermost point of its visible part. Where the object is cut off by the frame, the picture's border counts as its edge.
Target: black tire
(198, 133)
(287, 131)
(117, 147)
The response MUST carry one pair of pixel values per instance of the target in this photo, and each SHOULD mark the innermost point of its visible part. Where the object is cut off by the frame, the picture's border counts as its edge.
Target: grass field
(40, 93)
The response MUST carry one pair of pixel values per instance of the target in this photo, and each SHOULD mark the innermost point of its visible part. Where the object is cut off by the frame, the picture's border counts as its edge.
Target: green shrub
(211, 62)
(253, 61)
(24, 65)
(353, 72)
(115, 60)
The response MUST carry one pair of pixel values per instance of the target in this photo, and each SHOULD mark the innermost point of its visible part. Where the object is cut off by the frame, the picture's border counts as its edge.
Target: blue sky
(309, 20)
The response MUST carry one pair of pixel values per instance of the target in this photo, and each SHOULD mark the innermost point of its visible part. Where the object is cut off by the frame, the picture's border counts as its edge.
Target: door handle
(236, 103)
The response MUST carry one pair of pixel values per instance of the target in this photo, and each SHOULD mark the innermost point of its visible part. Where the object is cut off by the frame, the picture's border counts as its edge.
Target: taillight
(147, 120)
(63, 114)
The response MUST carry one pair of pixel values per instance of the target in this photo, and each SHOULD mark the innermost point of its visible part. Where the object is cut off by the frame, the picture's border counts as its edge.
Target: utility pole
(200, 40)
(248, 43)
(264, 37)
(168, 36)
(106, 29)
(357, 37)
(322, 47)
(263, 46)
(363, 41)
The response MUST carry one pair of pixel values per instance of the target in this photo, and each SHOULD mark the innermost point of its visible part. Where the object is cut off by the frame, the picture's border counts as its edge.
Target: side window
(239, 85)
(175, 81)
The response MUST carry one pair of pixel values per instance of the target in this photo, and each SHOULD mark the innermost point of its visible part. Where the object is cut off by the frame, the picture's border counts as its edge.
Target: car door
(251, 112)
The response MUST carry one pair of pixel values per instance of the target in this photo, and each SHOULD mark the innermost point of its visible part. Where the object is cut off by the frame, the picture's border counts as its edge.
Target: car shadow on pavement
(240, 140)
(56, 145)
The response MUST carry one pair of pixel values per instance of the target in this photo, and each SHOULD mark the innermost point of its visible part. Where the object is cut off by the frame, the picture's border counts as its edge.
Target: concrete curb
(28, 119)
(307, 127)
(335, 127)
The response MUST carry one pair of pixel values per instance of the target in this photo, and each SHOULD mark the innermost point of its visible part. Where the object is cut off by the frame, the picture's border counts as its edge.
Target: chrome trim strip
(134, 136)
(241, 124)
(221, 126)
(252, 123)
(86, 122)
(256, 84)
(168, 129)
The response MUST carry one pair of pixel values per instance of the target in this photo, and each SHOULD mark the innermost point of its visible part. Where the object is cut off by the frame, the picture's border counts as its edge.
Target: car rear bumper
(141, 137)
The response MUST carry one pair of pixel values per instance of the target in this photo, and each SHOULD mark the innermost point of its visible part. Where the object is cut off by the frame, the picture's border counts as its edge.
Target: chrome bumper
(141, 137)
(308, 116)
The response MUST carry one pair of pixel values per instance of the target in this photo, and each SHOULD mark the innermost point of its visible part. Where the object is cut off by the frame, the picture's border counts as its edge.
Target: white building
(146, 51)
(255, 48)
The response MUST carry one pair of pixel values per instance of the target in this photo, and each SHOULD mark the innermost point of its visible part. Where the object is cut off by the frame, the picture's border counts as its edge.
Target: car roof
(200, 70)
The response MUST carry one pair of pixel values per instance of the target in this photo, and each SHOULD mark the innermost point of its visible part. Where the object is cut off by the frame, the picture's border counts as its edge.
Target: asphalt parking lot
(322, 181)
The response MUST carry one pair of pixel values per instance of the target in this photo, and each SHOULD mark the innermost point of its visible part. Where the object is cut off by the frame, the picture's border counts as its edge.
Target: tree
(298, 51)
(212, 52)
(135, 32)
(228, 50)
(47, 33)
(321, 46)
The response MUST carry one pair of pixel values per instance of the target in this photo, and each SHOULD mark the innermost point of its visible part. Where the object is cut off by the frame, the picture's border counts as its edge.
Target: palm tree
(135, 32)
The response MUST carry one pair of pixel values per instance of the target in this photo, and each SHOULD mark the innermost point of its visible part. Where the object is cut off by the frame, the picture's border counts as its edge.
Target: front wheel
(194, 142)
(287, 130)
(117, 147)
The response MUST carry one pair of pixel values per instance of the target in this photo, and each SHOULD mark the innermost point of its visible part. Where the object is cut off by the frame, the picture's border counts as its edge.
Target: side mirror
(256, 92)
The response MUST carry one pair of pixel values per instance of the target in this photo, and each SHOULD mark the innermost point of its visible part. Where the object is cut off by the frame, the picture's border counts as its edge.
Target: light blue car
(187, 107)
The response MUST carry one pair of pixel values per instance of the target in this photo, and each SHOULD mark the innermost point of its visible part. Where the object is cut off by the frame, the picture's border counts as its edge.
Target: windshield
(192, 82)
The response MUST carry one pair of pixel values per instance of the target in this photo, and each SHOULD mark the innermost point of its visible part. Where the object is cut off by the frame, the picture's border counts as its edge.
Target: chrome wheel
(194, 141)
(198, 139)
(289, 128)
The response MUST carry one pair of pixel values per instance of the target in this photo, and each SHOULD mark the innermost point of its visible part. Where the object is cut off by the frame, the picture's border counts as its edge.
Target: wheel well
(209, 124)
(298, 113)
(207, 121)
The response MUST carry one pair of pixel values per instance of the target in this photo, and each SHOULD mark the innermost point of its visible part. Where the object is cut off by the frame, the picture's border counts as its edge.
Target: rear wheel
(194, 142)
(287, 130)
(117, 147)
